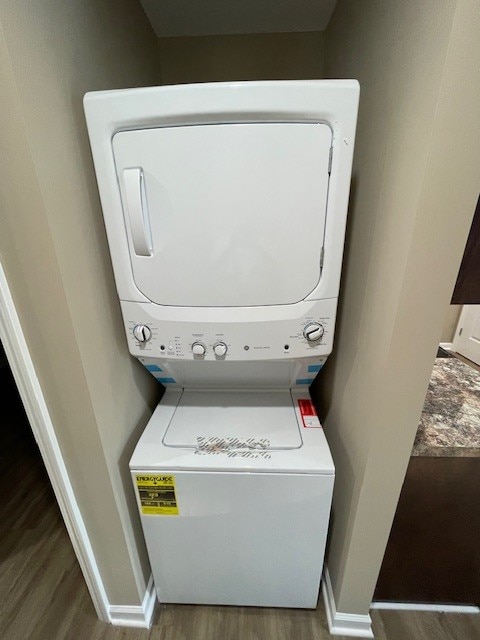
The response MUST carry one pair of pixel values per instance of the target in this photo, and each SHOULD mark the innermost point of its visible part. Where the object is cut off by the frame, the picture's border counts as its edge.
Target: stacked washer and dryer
(225, 208)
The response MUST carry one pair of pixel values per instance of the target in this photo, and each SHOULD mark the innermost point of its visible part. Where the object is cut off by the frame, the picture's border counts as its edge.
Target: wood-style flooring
(43, 595)
(433, 553)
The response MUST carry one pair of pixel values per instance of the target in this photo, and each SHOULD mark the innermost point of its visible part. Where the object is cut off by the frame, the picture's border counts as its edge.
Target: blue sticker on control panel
(304, 381)
(152, 367)
(314, 368)
(167, 380)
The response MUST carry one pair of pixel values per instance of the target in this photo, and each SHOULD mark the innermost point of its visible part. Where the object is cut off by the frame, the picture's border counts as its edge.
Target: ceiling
(217, 17)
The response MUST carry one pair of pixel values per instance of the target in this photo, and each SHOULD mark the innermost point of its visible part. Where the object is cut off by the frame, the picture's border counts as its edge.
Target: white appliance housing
(252, 516)
(225, 207)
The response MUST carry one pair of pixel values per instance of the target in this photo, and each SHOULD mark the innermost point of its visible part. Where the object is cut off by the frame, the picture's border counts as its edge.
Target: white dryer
(225, 208)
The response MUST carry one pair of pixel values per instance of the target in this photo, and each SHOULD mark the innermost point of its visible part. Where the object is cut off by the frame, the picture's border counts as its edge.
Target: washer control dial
(313, 331)
(198, 349)
(142, 332)
(220, 349)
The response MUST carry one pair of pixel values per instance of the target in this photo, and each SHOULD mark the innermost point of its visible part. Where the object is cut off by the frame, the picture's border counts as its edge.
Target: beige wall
(269, 56)
(450, 322)
(416, 162)
(416, 169)
(54, 251)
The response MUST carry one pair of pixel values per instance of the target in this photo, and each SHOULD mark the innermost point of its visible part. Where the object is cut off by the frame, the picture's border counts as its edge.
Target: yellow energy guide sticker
(157, 494)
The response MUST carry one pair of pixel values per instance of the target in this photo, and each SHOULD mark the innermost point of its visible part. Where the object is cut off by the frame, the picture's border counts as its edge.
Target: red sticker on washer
(307, 408)
(309, 415)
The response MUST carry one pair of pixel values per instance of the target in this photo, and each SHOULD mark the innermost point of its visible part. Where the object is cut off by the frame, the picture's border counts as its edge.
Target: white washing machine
(234, 492)
(225, 209)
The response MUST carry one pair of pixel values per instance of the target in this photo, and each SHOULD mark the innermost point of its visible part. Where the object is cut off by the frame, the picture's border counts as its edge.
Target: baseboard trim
(343, 624)
(135, 616)
(448, 346)
(414, 606)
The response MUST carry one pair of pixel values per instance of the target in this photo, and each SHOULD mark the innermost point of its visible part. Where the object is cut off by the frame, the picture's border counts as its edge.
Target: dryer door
(225, 215)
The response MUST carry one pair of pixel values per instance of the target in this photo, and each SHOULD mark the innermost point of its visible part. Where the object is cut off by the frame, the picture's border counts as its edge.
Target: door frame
(21, 364)
(463, 323)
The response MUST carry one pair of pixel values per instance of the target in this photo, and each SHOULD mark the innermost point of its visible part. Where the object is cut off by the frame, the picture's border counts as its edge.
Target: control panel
(234, 338)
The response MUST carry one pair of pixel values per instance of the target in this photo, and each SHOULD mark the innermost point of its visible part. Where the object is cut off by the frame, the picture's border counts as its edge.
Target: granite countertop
(450, 422)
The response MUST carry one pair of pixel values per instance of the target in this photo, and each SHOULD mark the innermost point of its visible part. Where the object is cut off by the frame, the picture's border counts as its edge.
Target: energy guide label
(157, 494)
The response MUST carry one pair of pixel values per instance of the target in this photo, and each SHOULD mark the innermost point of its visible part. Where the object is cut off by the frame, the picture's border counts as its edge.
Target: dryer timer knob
(142, 332)
(220, 349)
(313, 331)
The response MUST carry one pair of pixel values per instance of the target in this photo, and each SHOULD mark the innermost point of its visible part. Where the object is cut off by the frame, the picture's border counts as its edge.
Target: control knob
(220, 349)
(313, 331)
(198, 349)
(142, 332)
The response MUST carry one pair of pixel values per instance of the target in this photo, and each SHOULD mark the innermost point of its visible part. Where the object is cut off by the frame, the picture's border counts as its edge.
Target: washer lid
(225, 215)
(223, 421)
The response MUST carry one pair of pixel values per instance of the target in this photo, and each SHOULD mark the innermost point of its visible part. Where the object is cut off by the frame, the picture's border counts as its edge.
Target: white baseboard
(448, 346)
(409, 606)
(135, 616)
(343, 624)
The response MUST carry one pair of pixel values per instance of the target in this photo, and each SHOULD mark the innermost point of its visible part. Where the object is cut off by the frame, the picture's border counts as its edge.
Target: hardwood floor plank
(461, 625)
(433, 553)
(425, 625)
(177, 622)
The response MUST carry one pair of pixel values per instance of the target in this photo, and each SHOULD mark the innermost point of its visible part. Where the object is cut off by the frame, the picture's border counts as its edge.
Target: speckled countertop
(450, 422)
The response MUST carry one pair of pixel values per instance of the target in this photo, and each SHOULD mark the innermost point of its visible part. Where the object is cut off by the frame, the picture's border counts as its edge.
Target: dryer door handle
(137, 211)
